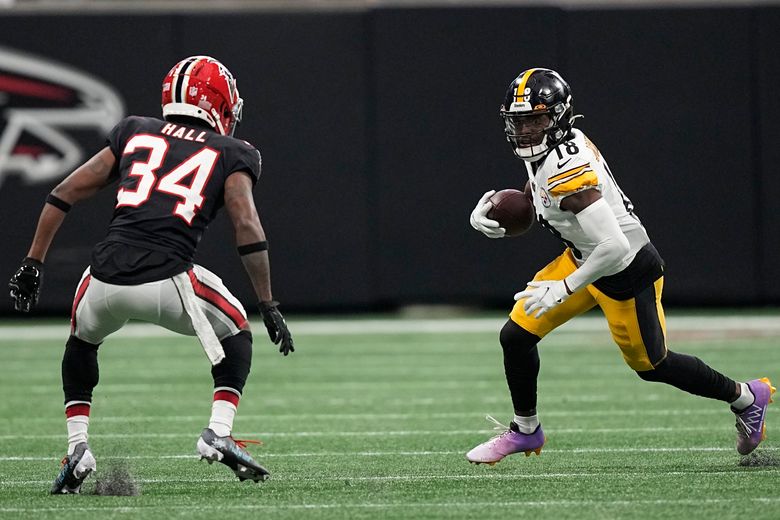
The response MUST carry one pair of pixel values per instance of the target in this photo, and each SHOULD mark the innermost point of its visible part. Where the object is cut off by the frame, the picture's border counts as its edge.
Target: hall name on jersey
(182, 132)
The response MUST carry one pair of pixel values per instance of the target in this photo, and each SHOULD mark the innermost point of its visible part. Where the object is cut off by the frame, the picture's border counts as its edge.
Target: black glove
(277, 327)
(25, 284)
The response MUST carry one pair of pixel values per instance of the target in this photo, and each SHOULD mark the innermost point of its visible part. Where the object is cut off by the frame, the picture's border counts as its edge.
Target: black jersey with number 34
(171, 185)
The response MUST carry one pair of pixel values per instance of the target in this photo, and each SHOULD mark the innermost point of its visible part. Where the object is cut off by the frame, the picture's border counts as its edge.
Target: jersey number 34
(198, 166)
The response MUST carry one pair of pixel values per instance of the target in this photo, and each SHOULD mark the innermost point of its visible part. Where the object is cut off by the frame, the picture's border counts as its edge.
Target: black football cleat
(231, 453)
(75, 469)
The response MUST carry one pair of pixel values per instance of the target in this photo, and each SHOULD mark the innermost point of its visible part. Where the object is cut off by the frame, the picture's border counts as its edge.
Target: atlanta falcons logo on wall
(39, 101)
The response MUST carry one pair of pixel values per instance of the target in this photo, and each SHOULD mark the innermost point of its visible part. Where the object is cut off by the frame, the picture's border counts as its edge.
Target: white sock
(745, 398)
(77, 431)
(527, 424)
(222, 415)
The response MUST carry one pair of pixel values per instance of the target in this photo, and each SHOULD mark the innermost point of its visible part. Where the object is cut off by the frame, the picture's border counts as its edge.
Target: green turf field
(371, 419)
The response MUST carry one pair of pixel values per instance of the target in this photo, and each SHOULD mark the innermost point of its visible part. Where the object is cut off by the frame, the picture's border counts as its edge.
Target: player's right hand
(25, 284)
(277, 327)
(481, 222)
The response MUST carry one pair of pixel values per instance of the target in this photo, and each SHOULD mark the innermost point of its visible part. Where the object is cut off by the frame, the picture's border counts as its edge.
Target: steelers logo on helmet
(537, 112)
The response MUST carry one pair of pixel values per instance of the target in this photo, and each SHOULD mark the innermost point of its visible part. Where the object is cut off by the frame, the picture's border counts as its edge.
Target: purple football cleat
(507, 443)
(751, 428)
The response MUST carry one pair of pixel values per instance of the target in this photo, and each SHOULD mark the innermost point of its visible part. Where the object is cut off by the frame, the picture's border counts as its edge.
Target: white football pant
(99, 308)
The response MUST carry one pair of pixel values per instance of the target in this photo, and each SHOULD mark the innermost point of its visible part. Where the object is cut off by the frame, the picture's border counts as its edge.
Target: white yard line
(336, 326)
(395, 416)
(373, 433)
(370, 454)
(417, 478)
(489, 506)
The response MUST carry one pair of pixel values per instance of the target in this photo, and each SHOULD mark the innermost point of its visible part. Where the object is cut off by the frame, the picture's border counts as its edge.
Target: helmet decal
(522, 93)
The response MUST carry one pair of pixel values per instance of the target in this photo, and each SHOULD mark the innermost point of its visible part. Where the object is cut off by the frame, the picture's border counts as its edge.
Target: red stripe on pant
(211, 295)
(79, 295)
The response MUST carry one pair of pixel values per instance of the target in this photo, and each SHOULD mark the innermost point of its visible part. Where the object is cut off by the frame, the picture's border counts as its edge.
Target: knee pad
(516, 339)
(233, 371)
(80, 372)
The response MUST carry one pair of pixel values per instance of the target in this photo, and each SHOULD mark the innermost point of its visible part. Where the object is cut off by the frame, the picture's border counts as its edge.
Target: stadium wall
(379, 131)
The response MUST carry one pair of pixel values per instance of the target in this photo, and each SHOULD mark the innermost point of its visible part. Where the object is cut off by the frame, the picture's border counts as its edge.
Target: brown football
(513, 210)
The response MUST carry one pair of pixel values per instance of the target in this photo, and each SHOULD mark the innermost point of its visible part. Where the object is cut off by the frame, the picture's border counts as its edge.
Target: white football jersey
(573, 166)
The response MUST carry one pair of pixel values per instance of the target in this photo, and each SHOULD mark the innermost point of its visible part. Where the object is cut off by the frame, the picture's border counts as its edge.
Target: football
(513, 210)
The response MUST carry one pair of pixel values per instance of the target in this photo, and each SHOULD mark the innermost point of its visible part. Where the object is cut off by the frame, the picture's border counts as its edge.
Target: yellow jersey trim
(576, 182)
(561, 175)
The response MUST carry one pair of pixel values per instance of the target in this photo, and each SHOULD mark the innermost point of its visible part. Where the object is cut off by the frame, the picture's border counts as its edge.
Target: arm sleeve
(609, 256)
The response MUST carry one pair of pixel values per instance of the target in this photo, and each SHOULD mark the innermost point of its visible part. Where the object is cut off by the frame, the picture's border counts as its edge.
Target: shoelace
(749, 419)
(241, 443)
(743, 427)
(498, 425)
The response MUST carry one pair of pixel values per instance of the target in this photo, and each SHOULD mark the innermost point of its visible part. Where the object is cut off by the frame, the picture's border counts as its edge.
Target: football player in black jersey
(173, 176)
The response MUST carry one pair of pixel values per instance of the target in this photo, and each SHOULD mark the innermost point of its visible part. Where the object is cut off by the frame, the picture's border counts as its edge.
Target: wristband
(57, 203)
(252, 248)
(267, 306)
(28, 260)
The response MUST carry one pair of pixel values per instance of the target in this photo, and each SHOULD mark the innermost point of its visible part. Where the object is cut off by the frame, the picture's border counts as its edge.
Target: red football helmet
(200, 86)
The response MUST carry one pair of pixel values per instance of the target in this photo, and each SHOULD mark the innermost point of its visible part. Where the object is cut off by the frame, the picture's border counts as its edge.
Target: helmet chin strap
(533, 157)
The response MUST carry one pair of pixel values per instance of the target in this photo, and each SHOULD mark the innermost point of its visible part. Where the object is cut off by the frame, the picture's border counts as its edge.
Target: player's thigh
(160, 302)
(637, 325)
(575, 305)
(223, 310)
(108, 307)
(101, 309)
(91, 316)
(157, 302)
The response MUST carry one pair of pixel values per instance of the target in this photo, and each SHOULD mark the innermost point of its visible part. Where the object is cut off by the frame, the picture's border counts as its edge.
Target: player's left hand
(25, 284)
(541, 296)
(277, 327)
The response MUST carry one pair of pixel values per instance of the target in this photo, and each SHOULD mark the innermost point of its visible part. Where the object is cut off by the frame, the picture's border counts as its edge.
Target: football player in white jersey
(608, 261)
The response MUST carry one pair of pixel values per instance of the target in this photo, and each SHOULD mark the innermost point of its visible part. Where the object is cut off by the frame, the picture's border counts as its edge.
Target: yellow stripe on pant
(637, 325)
